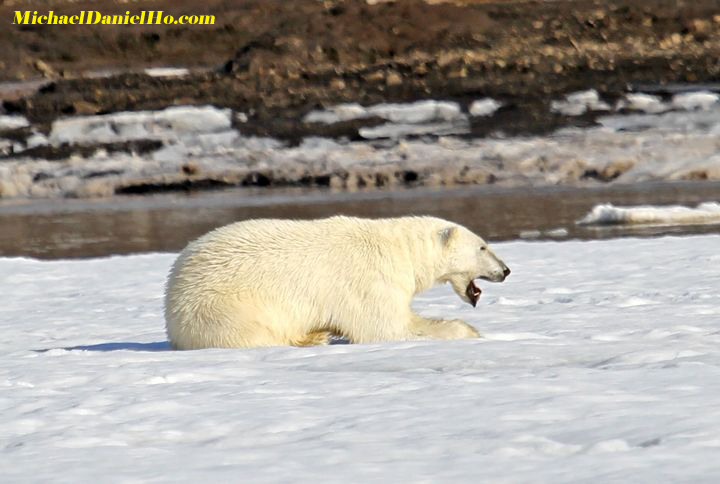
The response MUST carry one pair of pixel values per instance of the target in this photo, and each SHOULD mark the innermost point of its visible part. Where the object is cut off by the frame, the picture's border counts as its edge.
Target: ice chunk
(484, 107)
(13, 122)
(695, 100)
(644, 102)
(411, 113)
(418, 112)
(399, 130)
(580, 102)
(608, 214)
(167, 71)
(123, 126)
(336, 114)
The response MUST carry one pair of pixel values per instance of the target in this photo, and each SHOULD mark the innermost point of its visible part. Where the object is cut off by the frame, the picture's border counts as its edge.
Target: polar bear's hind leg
(315, 338)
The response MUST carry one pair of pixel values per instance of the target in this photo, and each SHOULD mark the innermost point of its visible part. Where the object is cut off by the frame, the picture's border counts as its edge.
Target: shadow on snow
(156, 346)
(126, 346)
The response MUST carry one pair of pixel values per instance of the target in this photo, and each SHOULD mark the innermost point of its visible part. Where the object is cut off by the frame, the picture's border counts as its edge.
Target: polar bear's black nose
(506, 272)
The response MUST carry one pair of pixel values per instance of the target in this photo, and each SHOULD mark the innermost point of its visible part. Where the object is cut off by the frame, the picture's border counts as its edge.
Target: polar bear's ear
(446, 235)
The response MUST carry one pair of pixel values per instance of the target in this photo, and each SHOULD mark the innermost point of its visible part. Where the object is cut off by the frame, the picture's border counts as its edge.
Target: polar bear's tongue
(473, 293)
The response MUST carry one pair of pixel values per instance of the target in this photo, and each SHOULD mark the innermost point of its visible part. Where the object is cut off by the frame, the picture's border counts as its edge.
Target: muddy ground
(276, 60)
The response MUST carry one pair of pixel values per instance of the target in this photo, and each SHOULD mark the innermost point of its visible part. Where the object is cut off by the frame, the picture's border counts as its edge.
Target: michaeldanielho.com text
(92, 17)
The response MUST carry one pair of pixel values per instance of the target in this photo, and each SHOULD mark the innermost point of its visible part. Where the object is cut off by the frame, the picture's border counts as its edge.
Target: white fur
(284, 282)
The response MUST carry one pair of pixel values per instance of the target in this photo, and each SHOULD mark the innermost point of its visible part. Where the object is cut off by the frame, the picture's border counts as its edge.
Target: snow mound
(484, 107)
(695, 100)
(413, 119)
(337, 114)
(400, 130)
(644, 102)
(418, 112)
(608, 214)
(168, 123)
(167, 71)
(13, 122)
(411, 113)
(427, 113)
(686, 101)
(578, 103)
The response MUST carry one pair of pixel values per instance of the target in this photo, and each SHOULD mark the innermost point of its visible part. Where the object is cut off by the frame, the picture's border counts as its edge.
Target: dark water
(77, 228)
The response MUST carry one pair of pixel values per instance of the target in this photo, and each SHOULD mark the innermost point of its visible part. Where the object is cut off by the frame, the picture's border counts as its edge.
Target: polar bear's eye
(483, 248)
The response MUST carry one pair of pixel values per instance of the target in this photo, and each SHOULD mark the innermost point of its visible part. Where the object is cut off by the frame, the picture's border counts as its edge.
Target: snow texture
(600, 363)
(608, 214)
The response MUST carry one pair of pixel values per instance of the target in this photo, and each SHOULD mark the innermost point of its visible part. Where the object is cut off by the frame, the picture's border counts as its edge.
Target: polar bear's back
(268, 244)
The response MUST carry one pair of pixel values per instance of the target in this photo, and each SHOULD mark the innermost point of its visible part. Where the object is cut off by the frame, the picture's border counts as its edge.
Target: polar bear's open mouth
(473, 293)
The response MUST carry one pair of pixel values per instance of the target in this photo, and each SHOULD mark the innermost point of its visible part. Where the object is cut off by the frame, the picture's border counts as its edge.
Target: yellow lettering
(22, 18)
(94, 17)
(90, 17)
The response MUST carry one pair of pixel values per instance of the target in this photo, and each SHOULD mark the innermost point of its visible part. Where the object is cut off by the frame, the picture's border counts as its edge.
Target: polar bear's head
(468, 257)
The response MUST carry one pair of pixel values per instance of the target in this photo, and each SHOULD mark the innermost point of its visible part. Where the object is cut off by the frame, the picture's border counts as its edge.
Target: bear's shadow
(120, 346)
(156, 346)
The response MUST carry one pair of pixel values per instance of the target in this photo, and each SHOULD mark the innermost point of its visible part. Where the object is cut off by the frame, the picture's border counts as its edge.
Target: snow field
(600, 363)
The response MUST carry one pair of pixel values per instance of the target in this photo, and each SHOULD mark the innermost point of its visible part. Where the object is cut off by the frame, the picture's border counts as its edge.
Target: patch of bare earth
(276, 60)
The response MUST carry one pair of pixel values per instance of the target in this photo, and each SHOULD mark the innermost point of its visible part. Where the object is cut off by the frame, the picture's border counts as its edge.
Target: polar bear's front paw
(461, 330)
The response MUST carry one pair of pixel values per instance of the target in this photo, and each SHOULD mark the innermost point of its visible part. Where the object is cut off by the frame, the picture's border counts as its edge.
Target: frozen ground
(601, 363)
(640, 138)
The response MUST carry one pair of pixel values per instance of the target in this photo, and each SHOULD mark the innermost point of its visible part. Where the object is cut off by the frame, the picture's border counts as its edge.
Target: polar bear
(289, 282)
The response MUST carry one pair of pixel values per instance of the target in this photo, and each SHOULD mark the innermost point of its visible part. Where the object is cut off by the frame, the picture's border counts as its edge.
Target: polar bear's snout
(495, 269)
(498, 276)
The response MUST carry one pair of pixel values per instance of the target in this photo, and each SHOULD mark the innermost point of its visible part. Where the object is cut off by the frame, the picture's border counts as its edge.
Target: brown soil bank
(275, 59)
